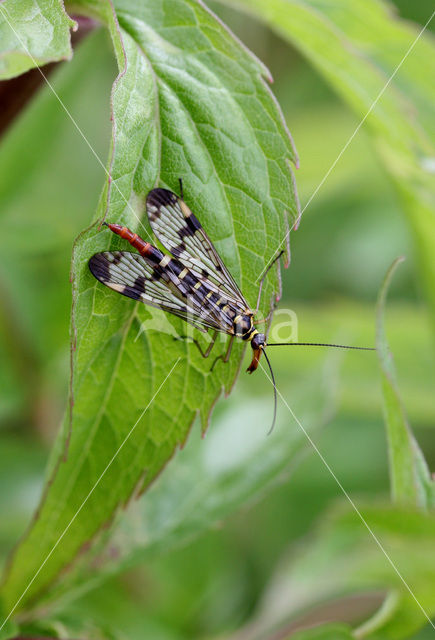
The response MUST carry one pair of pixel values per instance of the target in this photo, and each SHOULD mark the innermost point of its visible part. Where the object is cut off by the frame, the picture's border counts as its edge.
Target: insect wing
(129, 274)
(181, 233)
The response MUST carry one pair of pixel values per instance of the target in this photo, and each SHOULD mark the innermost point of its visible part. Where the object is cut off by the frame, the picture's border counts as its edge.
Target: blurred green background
(349, 235)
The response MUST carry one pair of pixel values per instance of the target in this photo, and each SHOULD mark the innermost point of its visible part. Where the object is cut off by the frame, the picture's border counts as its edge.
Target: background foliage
(291, 552)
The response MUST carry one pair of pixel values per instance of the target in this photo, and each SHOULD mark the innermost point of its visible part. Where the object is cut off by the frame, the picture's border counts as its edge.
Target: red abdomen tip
(116, 228)
(136, 241)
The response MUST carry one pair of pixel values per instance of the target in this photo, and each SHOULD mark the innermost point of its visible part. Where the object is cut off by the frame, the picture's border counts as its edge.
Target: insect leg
(267, 318)
(205, 353)
(263, 279)
(180, 180)
(225, 357)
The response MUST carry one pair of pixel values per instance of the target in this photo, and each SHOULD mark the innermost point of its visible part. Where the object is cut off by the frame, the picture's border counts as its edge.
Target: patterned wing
(181, 233)
(129, 274)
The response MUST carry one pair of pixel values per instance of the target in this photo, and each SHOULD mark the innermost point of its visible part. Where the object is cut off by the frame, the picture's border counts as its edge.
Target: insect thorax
(243, 325)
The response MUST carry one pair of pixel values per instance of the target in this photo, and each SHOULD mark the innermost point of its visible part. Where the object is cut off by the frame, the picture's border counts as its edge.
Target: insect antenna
(318, 344)
(275, 399)
(300, 344)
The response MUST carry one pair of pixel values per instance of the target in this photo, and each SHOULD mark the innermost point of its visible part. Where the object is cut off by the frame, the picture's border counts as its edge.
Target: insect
(191, 283)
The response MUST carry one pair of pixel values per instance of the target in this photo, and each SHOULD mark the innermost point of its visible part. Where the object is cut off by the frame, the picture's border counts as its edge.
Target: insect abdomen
(145, 248)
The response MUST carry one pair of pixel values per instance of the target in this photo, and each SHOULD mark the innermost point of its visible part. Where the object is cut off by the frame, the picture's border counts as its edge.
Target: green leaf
(9, 629)
(32, 33)
(41, 158)
(189, 102)
(208, 480)
(365, 43)
(343, 559)
(410, 477)
(325, 632)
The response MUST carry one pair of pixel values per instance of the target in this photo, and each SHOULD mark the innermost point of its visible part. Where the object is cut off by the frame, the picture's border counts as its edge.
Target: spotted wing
(181, 233)
(129, 274)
